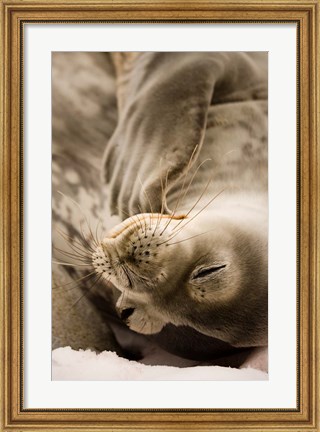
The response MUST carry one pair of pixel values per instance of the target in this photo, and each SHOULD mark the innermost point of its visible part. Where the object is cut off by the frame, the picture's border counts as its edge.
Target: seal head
(210, 275)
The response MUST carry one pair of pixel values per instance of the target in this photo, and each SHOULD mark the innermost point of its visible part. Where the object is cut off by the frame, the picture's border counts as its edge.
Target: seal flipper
(162, 120)
(164, 139)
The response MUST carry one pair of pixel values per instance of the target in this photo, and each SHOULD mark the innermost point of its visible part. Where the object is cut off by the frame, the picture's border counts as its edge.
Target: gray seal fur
(176, 110)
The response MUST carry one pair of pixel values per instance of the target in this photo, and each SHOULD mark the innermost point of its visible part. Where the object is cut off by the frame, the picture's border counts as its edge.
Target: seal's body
(186, 172)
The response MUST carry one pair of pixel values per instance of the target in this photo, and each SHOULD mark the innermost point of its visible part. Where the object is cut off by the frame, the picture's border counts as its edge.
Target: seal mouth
(135, 220)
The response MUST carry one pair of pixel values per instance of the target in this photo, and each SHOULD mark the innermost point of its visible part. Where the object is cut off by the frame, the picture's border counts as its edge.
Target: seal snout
(130, 253)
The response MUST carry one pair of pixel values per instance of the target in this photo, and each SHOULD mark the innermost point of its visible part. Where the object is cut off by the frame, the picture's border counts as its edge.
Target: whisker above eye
(162, 197)
(193, 177)
(200, 211)
(182, 187)
(175, 233)
(147, 196)
(144, 219)
(189, 238)
(164, 189)
(185, 177)
(197, 201)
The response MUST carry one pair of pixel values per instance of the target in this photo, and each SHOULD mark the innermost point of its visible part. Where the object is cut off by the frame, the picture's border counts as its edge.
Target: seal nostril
(126, 313)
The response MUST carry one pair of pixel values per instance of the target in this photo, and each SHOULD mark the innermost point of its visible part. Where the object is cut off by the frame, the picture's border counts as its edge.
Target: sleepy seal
(187, 172)
(184, 173)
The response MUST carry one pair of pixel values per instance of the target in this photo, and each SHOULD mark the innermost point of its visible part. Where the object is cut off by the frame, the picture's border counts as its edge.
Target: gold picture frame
(13, 415)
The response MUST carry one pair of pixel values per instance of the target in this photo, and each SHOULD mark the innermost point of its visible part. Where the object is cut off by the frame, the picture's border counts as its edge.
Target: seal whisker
(136, 275)
(122, 211)
(186, 191)
(145, 222)
(189, 238)
(164, 190)
(200, 211)
(80, 242)
(185, 178)
(162, 195)
(70, 264)
(182, 187)
(99, 223)
(86, 243)
(197, 201)
(175, 233)
(124, 269)
(138, 225)
(74, 256)
(74, 252)
(74, 281)
(98, 278)
(148, 199)
(81, 210)
(193, 176)
(162, 200)
(167, 239)
(72, 240)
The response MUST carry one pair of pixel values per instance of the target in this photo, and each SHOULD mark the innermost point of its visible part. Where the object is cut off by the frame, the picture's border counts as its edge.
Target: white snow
(71, 365)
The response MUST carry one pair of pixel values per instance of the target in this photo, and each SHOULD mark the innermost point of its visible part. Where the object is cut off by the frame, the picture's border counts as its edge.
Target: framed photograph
(160, 198)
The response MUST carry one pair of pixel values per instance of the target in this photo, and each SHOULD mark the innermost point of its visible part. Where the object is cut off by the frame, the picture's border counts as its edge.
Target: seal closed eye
(207, 271)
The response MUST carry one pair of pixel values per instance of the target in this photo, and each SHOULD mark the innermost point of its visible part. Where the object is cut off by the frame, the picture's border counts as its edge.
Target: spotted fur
(149, 115)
